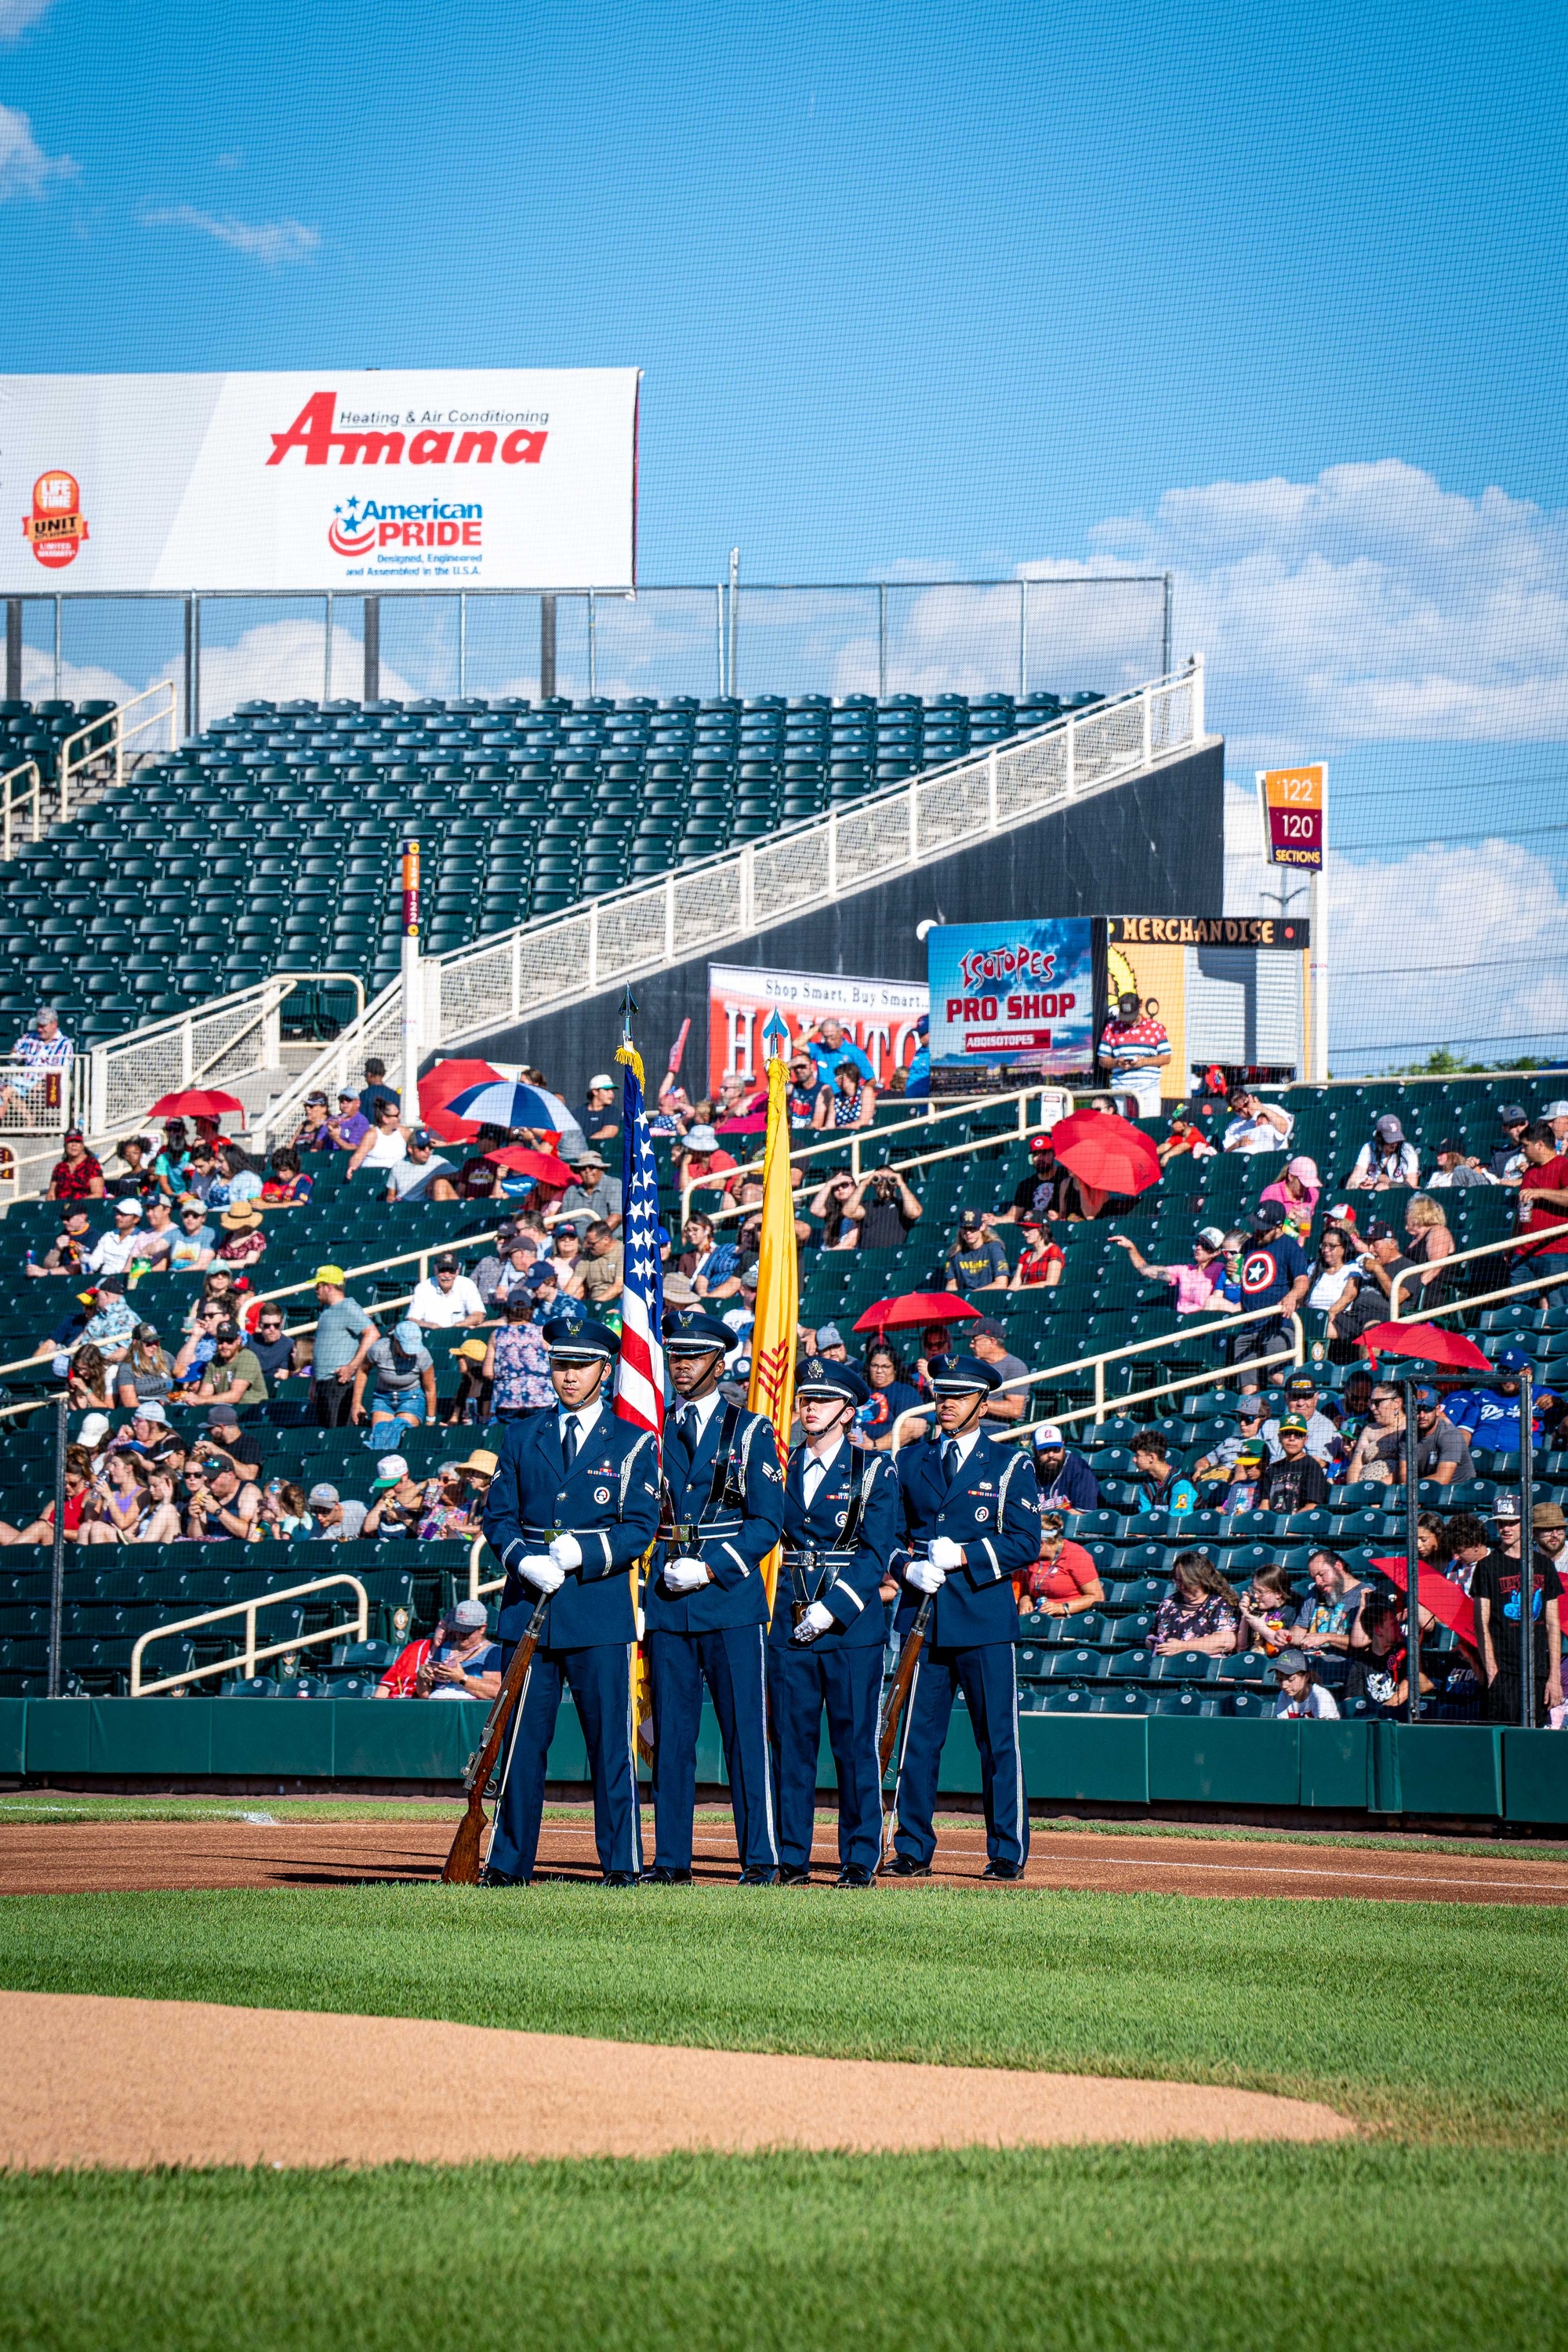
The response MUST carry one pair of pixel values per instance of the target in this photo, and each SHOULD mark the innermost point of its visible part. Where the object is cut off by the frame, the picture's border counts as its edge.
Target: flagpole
(771, 1389)
(638, 1388)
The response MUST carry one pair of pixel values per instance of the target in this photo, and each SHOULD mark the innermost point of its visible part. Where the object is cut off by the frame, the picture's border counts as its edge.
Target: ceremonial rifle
(463, 1863)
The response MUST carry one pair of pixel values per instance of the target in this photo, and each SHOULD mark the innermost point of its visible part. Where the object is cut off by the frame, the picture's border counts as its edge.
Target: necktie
(569, 1437)
(949, 1459)
(686, 1419)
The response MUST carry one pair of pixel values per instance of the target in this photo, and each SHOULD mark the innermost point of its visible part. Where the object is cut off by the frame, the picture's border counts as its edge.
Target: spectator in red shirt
(78, 1176)
(700, 1156)
(1064, 1581)
(459, 1661)
(1040, 1261)
(1543, 1192)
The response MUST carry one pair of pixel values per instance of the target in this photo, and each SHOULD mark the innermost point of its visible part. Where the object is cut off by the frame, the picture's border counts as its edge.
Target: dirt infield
(81, 1857)
(137, 2082)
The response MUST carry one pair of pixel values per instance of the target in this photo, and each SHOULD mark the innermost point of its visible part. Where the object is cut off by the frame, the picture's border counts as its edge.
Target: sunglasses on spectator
(192, 1216)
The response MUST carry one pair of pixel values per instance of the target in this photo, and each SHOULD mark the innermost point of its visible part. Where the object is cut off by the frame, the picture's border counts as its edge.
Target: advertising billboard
(1229, 990)
(879, 1015)
(1010, 1002)
(341, 479)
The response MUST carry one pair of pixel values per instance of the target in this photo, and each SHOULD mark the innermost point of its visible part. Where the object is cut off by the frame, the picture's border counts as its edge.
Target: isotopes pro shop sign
(481, 477)
(1009, 1001)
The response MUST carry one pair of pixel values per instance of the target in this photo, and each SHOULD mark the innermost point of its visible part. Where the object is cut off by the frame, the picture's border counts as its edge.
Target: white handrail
(116, 721)
(477, 1590)
(1528, 1242)
(597, 943)
(358, 1626)
(970, 1108)
(10, 800)
(1164, 1341)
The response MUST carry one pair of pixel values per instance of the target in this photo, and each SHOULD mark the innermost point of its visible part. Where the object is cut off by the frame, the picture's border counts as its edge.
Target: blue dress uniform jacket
(841, 1670)
(716, 1637)
(991, 1508)
(609, 1500)
(736, 1536)
(815, 1567)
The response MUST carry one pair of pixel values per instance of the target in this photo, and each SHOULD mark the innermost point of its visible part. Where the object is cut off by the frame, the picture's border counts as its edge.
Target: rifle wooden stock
(899, 1695)
(462, 1867)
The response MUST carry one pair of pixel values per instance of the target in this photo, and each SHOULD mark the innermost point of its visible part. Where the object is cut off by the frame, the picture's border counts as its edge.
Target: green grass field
(1441, 2029)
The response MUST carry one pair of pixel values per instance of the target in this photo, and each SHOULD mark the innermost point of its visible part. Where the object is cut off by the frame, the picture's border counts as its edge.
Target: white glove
(945, 1553)
(817, 1619)
(925, 1576)
(566, 1552)
(687, 1575)
(541, 1571)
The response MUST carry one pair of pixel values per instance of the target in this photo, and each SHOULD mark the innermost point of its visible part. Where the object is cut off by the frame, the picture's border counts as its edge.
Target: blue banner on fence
(1010, 1001)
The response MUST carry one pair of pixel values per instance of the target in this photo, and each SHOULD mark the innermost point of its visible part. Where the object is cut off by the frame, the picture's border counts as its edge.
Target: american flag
(639, 1373)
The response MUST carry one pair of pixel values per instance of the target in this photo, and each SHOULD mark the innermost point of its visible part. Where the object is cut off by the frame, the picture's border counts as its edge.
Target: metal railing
(220, 1042)
(1162, 1343)
(971, 1106)
(600, 943)
(1526, 1242)
(477, 1590)
(358, 1627)
(11, 801)
(107, 738)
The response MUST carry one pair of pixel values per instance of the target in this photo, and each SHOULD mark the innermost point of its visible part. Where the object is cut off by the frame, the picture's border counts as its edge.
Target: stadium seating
(268, 843)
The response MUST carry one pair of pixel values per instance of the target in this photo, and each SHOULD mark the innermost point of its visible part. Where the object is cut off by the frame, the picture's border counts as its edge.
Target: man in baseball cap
(971, 1525)
(1506, 1161)
(1065, 1480)
(1035, 1195)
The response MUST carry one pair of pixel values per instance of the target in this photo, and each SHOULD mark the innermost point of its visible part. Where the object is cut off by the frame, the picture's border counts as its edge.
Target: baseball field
(268, 2082)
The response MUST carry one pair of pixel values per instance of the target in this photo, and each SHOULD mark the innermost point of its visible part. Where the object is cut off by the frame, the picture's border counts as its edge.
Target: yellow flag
(771, 1389)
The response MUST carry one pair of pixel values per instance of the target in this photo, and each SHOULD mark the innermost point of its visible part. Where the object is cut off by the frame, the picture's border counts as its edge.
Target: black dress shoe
(1002, 1870)
(622, 1878)
(903, 1866)
(665, 1875)
(794, 1874)
(490, 1877)
(855, 1878)
(758, 1878)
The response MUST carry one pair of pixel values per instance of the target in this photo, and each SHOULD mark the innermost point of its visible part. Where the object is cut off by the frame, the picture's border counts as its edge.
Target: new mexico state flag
(771, 1389)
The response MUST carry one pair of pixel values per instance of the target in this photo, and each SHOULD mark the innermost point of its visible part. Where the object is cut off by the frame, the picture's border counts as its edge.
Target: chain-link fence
(964, 637)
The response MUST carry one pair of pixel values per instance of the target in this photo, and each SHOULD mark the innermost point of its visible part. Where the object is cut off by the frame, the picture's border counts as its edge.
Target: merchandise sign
(1294, 802)
(1009, 1001)
(877, 1015)
(344, 478)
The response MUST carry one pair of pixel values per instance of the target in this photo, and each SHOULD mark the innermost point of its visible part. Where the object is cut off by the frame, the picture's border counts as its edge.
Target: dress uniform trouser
(848, 1682)
(988, 1677)
(599, 1679)
(731, 1663)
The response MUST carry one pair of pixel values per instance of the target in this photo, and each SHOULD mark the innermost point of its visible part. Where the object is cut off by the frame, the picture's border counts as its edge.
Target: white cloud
(16, 16)
(272, 243)
(78, 682)
(283, 661)
(1369, 603)
(25, 169)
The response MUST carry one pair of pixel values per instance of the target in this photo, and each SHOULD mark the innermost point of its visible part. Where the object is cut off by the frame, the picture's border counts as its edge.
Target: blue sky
(1275, 302)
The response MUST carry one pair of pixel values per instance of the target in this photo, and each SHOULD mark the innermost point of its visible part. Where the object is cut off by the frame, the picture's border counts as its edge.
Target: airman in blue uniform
(972, 1522)
(707, 1606)
(571, 1507)
(841, 1521)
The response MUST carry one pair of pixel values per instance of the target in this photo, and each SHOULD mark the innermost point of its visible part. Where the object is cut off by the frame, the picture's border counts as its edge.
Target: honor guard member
(707, 1606)
(573, 1504)
(972, 1522)
(841, 1522)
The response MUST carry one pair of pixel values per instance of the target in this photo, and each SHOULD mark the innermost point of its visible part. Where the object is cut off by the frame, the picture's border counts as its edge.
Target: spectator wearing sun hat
(594, 1195)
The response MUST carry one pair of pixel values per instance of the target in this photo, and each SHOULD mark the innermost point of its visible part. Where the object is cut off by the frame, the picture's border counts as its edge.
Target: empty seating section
(269, 842)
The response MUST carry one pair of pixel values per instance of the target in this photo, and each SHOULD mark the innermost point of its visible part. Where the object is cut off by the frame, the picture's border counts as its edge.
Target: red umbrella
(435, 1091)
(194, 1102)
(542, 1165)
(915, 1308)
(1105, 1152)
(1432, 1343)
(1449, 1603)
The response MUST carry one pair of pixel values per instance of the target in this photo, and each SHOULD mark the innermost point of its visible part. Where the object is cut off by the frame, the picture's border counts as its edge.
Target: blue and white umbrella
(508, 1102)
